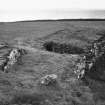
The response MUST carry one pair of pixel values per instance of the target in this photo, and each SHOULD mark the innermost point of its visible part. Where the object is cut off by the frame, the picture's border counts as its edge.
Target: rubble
(93, 62)
(9, 55)
(13, 57)
(48, 79)
(80, 67)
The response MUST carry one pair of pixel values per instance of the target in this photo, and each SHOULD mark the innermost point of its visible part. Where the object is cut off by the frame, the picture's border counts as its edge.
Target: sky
(17, 10)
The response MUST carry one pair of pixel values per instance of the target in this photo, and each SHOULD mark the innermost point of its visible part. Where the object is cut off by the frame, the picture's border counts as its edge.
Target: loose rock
(48, 79)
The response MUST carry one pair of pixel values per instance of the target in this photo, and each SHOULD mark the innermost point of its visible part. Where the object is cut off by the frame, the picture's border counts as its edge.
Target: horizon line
(62, 19)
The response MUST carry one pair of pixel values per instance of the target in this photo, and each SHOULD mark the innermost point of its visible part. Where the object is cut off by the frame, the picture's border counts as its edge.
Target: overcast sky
(15, 10)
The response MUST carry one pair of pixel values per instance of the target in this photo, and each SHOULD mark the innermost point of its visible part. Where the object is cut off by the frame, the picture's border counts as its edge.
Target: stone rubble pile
(80, 67)
(89, 59)
(12, 58)
(9, 56)
(48, 79)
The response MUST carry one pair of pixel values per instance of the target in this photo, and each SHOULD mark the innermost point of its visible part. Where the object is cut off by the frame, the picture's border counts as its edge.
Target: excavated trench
(62, 48)
(97, 70)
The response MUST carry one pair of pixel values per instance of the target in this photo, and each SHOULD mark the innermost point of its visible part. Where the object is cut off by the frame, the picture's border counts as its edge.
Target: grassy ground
(21, 85)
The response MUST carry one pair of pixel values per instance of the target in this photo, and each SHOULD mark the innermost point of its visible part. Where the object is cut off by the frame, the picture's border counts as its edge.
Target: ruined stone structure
(12, 58)
(94, 62)
(9, 56)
